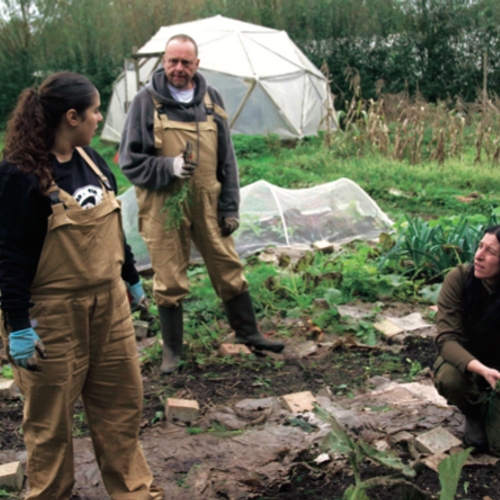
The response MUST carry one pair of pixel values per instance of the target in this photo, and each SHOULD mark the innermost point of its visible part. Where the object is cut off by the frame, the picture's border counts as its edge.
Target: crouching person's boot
(475, 430)
(241, 317)
(171, 325)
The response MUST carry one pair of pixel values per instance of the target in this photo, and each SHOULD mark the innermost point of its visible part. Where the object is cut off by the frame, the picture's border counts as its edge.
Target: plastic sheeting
(268, 85)
(338, 211)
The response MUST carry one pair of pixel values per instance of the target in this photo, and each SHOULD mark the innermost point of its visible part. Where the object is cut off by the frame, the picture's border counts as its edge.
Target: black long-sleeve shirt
(24, 211)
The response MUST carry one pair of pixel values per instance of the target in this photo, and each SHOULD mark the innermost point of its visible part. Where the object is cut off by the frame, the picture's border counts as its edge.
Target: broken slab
(181, 410)
(436, 441)
(356, 312)
(388, 328)
(427, 393)
(233, 349)
(11, 476)
(409, 323)
(8, 389)
(299, 401)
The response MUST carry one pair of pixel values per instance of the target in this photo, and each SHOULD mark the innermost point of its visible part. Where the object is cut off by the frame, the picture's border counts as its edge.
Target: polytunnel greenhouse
(338, 212)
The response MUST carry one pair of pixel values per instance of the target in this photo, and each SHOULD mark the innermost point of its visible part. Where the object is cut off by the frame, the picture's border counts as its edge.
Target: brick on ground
(233, 349)
(388, 328)
(141, 329)
(11, 476)
(299, 401)
(8, 389)
(437, 440)
(181, 410)
(324, 246)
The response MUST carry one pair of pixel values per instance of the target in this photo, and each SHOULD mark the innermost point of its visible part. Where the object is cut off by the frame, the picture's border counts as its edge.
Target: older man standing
(175, 109)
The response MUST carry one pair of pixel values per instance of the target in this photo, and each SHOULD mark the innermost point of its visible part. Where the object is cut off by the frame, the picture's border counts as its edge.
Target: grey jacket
(137, 157)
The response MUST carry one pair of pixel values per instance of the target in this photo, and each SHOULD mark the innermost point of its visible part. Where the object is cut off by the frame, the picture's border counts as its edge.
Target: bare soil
(344, 371)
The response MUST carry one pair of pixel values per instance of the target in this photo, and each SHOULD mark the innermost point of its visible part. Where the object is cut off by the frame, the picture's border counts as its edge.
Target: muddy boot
(241, 317)
(171, 331)
(475, 431)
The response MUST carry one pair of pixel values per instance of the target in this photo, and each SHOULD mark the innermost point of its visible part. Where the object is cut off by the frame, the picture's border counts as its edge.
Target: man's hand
(183, 169)
(491, 375)
(228, 225)
(23, 347)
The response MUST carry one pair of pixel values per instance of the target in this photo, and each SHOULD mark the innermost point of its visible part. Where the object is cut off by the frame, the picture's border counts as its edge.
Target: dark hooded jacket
(138, 158)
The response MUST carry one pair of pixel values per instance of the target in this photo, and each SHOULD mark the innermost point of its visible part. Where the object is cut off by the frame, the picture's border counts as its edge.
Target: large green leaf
(336, 441)
(355, 493)
(449, 473)
(387, 458)
(431, 292)
(333, 296)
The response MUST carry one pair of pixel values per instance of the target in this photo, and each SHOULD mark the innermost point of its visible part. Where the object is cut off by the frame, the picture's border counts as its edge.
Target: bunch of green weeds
(174, 205)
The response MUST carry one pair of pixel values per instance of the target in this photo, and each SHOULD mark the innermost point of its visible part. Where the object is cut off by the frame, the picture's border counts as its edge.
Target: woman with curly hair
(64, 272)
(467, 369)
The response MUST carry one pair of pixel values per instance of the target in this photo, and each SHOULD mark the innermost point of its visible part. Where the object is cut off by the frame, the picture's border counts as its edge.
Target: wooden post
(485, 80)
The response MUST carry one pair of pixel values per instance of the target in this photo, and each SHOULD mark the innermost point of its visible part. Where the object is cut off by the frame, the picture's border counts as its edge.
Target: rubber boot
(241, 317)
(475, 431)
(171, 325)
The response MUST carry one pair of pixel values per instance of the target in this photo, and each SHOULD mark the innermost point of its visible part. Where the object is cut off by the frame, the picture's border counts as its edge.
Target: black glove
(228, 225)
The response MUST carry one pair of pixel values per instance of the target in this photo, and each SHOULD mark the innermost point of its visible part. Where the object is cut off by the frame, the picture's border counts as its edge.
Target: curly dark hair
(31, 131)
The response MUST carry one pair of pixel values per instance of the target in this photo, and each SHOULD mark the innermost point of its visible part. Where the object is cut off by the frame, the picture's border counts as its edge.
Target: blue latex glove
(23, 346)
(137, 293)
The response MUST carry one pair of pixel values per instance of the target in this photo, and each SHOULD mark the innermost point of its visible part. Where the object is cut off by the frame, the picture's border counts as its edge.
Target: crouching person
(466, 370)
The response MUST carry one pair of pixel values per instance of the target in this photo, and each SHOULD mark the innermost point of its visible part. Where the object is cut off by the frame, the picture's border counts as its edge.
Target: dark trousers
(472, 395)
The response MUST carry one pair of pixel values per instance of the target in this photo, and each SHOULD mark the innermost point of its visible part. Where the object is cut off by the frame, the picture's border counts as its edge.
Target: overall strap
(159, 108)
(104, 180)
(55, 200)
(209, 105)
(213, 107)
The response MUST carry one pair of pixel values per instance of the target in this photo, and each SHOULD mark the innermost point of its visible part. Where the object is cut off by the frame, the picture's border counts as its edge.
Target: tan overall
(84, 321)
(169, 251)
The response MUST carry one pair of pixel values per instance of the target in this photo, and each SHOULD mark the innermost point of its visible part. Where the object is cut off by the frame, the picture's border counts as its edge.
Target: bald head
(183, 38)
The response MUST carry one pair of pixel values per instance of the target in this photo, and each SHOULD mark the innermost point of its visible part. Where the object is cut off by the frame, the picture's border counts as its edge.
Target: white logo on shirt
(88, 196)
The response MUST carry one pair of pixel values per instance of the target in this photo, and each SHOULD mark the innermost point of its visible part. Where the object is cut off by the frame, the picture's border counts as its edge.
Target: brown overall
(84, 321)
(169, 251)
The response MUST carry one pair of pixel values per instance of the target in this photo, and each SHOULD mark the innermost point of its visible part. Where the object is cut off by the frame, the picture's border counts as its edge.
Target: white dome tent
(267, 83)
(338, 212)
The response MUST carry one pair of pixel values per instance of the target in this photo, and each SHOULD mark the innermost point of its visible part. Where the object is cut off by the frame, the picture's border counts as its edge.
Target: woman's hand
(23, 348)
(491, 375)
(137, 293)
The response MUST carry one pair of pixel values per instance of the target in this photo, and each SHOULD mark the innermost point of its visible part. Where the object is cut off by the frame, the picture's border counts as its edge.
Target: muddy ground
(343, 371)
